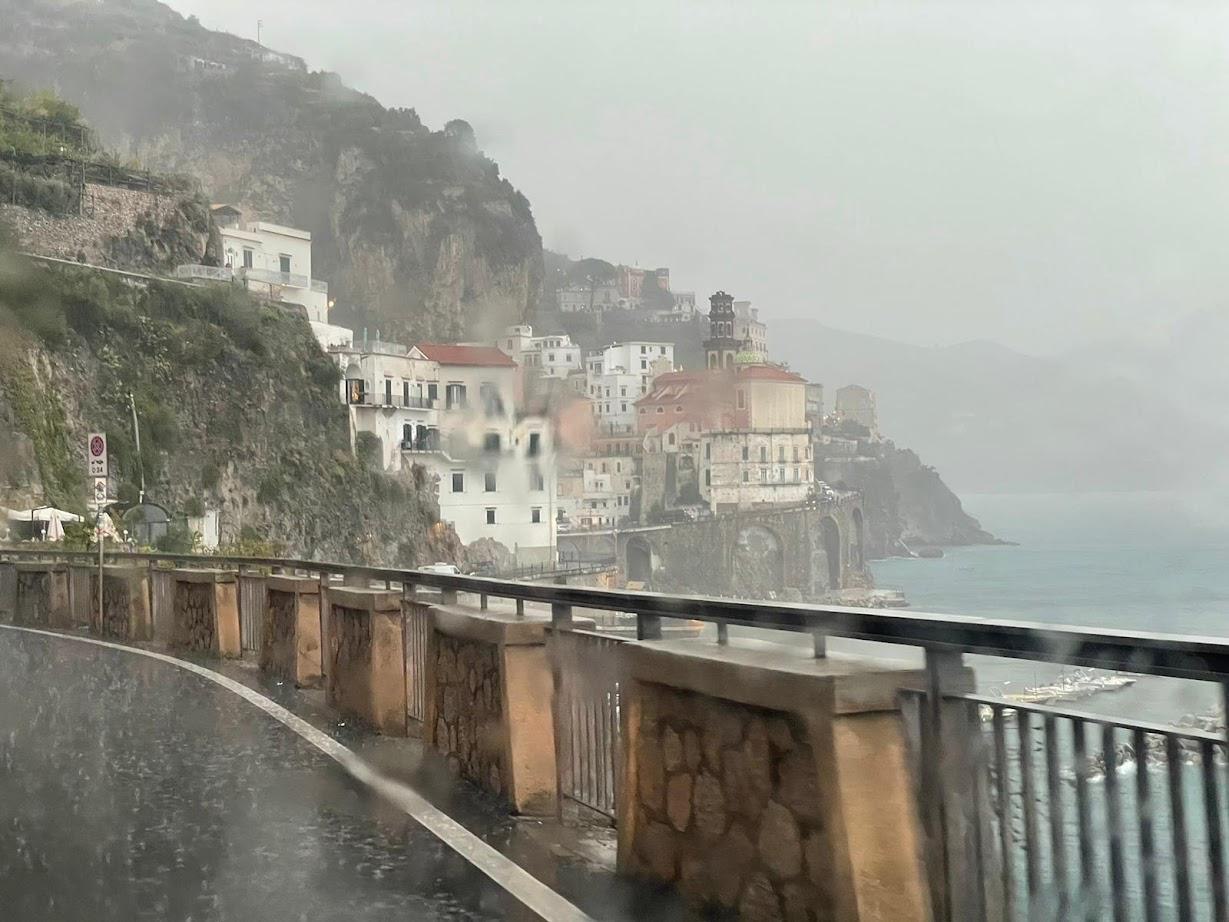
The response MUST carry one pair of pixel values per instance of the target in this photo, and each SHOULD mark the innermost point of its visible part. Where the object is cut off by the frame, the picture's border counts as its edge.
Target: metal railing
(961, 757)
(1076, 815)
(588, 737)
(273, 277)
(207, 273)
(253, 605)
(380, 398)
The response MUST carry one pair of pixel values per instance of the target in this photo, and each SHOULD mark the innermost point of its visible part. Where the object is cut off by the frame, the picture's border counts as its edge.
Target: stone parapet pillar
(125, 604)
(42, 598)
(489, 703)
(206, 612)
(290, 647)
(8, 590)
(768, 783)
(366, 657)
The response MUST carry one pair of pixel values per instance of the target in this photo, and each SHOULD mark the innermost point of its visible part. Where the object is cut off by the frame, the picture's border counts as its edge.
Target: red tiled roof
(454, 354)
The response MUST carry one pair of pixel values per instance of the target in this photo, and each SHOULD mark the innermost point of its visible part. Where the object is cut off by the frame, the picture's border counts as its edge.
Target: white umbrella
(55, 529)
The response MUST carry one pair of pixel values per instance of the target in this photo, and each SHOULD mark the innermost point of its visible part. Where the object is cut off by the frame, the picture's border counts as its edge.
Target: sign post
(96, 468)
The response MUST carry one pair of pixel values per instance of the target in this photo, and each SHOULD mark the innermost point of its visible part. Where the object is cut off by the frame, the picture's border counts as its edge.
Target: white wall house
(578, 298)
(619, 375)
(749, 327)
(272, 261)
(747, 468)
(495, 471)
(553, 355)
(393, 392)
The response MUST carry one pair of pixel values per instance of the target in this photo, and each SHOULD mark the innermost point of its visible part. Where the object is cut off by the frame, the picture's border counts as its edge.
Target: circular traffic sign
(97, 446)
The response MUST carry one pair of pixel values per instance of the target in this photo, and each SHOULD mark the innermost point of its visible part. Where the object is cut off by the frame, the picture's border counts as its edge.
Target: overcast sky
(1037, 173)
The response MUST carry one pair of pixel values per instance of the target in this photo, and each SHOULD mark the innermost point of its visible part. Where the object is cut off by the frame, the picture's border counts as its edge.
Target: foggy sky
(1038, 173)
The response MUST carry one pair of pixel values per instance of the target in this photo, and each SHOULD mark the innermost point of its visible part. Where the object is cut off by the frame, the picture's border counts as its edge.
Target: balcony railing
(379, 398)
(1024, 809)
(205, 273)
(270, 277)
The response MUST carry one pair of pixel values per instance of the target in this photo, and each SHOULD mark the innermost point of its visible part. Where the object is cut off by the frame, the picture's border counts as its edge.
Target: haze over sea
(1140, 561)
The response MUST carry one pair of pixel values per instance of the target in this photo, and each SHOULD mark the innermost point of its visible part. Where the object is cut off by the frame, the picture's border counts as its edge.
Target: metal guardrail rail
(965, 771)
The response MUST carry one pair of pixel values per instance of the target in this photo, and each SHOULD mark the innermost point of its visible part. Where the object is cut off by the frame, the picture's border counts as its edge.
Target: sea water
(1139, 561)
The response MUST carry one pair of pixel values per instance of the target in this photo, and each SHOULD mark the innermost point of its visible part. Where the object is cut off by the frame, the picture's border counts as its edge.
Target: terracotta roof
(769, 373)
(454, 354)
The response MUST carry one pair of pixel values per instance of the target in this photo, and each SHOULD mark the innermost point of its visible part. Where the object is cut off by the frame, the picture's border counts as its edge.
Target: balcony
(269, 277)
(196, 272)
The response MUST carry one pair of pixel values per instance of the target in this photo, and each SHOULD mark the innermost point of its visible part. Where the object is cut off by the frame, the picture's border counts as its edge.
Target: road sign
(100, 491)
(96, 454)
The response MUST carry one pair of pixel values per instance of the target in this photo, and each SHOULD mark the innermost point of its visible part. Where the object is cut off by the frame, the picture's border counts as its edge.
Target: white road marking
(506, 873)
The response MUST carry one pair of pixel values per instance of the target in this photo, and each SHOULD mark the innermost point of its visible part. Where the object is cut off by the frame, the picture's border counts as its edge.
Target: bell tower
(722, 345)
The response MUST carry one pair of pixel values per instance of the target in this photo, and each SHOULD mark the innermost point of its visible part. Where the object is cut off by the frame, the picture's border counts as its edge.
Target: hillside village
(529, 439)
(531, 436)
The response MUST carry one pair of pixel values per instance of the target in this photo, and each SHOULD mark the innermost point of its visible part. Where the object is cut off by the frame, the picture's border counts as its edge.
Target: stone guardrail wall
(768, 781)
(770, 787)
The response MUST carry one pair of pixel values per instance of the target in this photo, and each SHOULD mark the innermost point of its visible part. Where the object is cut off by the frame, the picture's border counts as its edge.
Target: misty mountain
(992, 419)
(415, 230)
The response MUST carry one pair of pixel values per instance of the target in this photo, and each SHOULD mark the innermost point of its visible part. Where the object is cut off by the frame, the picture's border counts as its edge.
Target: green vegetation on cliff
(238, 406)
(415, 230)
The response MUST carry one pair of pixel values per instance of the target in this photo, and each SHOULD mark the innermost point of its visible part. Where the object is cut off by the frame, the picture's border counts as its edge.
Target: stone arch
(857, 541)
(639, 560)
(758, 564)
(831, 533)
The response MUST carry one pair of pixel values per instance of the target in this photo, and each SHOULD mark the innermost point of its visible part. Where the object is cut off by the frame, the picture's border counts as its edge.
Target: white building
(393, 393)
(579, 298)
(272, 261)
(552, 356)
(749, 327)
(748, 468)
(619, 375)
(591, 498)
(495, 471)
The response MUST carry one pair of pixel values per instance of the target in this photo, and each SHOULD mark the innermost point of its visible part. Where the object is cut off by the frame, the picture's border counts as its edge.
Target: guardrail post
(520, 608)
(953, 788)
(819, 640)
(448, 596)
(648, 627)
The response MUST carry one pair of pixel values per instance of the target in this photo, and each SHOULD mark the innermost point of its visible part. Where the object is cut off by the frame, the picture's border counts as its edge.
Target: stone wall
(33, 598)
(278, 645)
(729, 807)
(115, 211)
(366, 671)
(195, 624)
(42, 596)
(469, 714)
(125, 609)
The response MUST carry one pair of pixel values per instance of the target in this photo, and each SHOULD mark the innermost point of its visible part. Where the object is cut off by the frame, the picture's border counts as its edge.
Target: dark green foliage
(221, 382)
(177, 540)
(367, 448)
(29, 189)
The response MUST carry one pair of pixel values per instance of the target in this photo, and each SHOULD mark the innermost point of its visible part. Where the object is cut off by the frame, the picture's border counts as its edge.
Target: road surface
(131, 789)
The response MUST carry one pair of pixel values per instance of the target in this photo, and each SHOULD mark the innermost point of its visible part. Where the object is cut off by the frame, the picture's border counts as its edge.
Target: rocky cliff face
(414, 229)
(239, 412)
(906, 503)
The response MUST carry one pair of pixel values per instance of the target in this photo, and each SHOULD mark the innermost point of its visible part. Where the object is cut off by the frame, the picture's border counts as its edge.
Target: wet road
(130, 789)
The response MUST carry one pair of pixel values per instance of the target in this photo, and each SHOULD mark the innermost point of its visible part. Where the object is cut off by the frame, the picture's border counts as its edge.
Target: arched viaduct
(802, 551)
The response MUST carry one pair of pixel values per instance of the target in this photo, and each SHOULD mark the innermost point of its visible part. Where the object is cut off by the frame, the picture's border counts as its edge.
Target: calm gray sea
(1147, 561)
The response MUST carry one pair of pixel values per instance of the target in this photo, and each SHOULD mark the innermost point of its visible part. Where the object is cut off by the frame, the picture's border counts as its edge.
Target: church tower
(722, 345)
